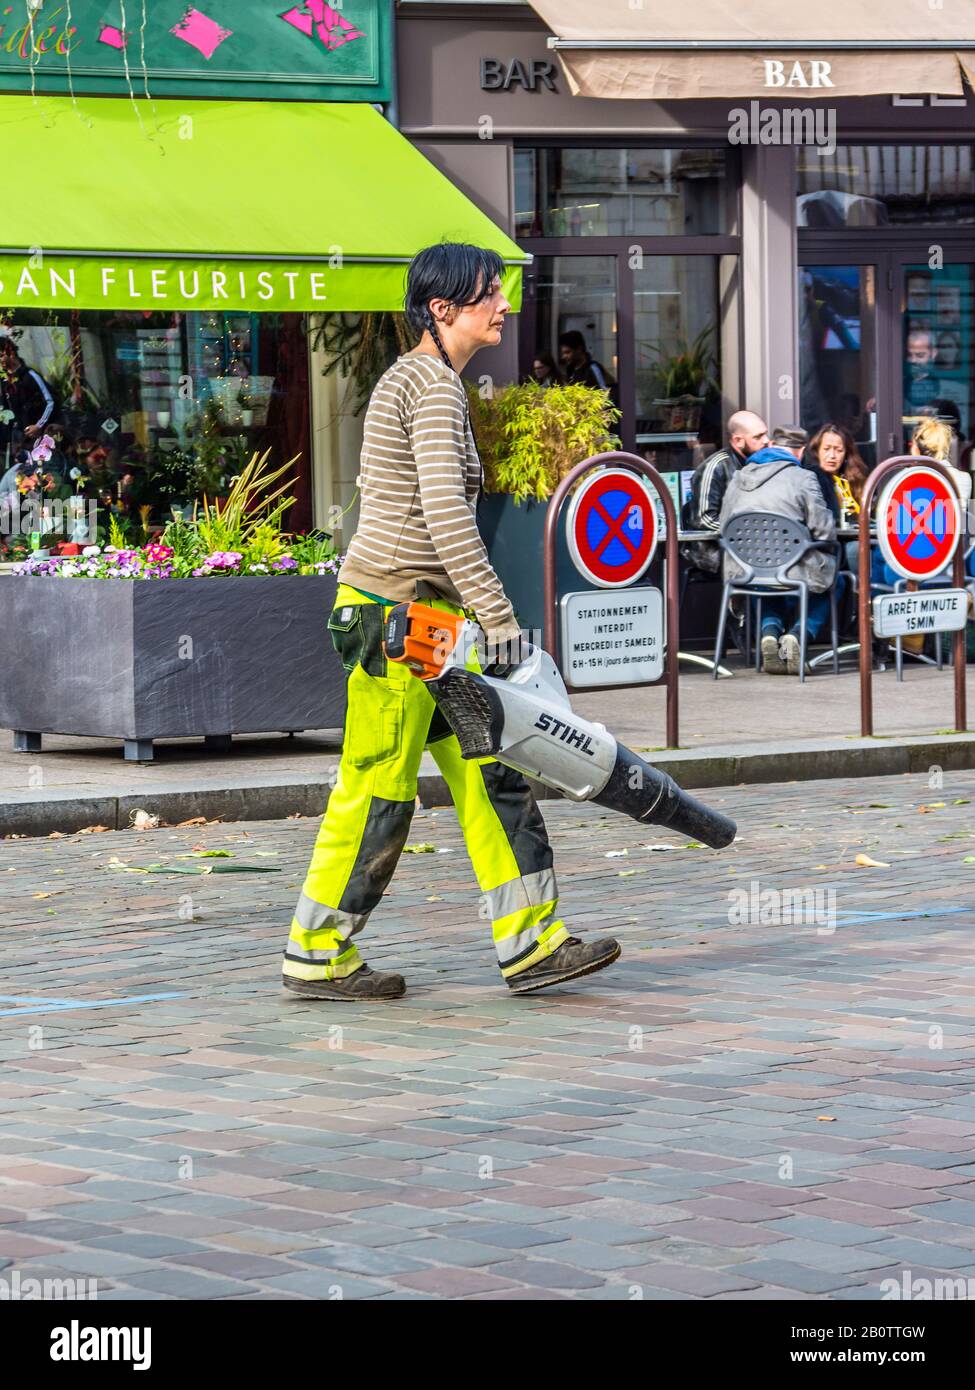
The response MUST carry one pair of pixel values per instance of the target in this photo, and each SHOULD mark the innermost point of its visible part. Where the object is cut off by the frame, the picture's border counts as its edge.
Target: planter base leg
(217, 743)
(25, 742)
(138, 750)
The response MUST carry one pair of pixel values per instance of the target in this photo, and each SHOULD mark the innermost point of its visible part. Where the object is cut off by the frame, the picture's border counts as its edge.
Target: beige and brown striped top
(419, 480)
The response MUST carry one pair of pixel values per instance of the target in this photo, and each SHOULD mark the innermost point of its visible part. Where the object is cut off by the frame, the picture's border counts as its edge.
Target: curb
(268, 798)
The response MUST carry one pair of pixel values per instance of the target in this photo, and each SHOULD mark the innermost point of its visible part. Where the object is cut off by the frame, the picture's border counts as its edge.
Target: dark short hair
(451, 270)
(790, 436)
(572, 339)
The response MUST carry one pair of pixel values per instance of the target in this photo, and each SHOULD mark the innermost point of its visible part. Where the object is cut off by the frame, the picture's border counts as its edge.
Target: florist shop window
(142, 413)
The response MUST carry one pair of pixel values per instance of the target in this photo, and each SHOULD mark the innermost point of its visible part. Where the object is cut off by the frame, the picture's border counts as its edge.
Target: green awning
(256, 205)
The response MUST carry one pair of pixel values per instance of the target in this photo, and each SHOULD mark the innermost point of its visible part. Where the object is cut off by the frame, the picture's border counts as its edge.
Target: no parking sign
(918, 523)
(612, 528)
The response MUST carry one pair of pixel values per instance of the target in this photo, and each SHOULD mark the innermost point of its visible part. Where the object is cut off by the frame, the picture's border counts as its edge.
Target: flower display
(242, 536)
(159, 561)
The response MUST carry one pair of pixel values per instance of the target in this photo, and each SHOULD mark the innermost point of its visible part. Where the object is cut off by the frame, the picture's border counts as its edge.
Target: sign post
(612, 536)
(919, 527)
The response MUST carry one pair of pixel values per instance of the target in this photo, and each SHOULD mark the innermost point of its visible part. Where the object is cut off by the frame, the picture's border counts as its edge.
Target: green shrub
(530, 436)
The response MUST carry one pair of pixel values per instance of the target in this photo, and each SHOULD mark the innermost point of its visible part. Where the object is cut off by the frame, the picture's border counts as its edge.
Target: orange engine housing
(422, 638)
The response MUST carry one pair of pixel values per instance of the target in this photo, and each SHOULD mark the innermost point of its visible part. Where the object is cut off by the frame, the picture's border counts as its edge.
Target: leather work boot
(567, 962)
(362, 984)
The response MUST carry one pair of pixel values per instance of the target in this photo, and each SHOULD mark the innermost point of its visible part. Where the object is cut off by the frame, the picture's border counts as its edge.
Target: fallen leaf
(829, 1119)
(616, 853)
(626, 873)
(969, 859)
(143, 820)
(57, 835)
(207, 854)
(91, 830)
(196, 820)
(420, 849)
(42, 895)
(118, 864)
(435, 898)
(866, 862)
(962, 801)
(819, 866)
(931, 806)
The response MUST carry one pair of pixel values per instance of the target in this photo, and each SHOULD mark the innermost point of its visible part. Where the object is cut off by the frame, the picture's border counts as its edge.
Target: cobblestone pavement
(742, 1108)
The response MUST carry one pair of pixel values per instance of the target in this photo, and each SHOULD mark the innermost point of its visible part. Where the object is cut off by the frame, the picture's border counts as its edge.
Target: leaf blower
(521, 715)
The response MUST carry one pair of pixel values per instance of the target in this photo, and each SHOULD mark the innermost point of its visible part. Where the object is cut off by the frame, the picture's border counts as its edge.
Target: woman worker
(419, 478)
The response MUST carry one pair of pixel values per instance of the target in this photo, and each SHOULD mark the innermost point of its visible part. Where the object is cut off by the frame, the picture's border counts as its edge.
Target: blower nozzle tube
(644, 792)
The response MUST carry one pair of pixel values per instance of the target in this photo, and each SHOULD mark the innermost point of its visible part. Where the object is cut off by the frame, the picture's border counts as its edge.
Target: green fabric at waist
(347, 593)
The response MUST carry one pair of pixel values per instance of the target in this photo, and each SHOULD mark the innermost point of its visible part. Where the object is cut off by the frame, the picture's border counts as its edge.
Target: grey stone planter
(167, 658)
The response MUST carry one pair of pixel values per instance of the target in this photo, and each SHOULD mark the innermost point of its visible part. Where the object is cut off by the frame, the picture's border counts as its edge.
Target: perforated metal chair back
(765, 544)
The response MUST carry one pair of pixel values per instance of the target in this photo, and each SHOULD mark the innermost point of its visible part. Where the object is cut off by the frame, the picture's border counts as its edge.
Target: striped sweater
(419, 480)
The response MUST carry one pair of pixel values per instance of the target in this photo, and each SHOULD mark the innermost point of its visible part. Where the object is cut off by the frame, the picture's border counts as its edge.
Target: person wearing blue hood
(774, 481)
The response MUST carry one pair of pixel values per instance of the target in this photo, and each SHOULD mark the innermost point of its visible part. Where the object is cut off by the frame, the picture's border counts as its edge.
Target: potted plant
(173, 478)
(159, 648)
(246, 402)
(529, 437)
(684, 380)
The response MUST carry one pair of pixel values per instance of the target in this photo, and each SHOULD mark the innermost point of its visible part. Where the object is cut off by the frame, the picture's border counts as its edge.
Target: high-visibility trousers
(391, 717)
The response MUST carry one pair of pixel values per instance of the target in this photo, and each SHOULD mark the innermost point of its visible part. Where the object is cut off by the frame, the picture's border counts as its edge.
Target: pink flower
(158, 554)
(43, 449)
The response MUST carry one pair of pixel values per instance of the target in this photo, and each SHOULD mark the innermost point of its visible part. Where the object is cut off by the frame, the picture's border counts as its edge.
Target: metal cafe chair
(766, 547)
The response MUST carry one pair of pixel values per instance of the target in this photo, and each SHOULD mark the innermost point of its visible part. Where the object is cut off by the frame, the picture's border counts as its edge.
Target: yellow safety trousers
(391, 717)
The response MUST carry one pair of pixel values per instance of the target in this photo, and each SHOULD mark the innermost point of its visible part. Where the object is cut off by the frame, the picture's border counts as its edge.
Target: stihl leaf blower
(523, 718)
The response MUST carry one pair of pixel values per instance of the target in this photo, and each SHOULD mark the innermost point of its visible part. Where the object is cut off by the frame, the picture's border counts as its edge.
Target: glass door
(568, 324)
(838, 359)
(937, 323)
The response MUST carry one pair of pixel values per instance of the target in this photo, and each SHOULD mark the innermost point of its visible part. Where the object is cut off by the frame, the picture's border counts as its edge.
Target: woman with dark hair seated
(833, 451)
(417, 537)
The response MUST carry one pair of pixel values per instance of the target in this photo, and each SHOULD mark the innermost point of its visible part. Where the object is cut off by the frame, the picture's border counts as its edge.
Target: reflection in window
(938, 367)
(576, 322)
(619, 192)
(678, 360)
(837, 351)
(146, 412)
(886, 185)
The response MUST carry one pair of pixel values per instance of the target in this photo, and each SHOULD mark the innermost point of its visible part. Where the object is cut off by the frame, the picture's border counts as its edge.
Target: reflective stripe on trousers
(367, 822)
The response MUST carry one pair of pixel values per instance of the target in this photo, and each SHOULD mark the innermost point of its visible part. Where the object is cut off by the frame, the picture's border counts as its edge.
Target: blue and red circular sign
(612, 528)
(918, 523)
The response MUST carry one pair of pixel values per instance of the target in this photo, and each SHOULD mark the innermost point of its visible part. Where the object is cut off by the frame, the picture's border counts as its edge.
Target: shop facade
(809, 256)
(223, 184)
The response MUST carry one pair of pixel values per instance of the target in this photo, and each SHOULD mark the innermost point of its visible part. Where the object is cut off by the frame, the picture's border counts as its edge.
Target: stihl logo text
(565, 733)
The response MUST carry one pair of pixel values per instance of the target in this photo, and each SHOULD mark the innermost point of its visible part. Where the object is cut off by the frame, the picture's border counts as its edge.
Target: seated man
(772, 481)
(747, 433)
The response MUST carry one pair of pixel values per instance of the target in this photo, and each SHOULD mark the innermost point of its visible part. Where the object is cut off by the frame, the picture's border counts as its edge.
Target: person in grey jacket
(773, 481)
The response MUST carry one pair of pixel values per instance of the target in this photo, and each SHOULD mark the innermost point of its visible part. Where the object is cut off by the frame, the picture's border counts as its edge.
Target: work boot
(362, 984)
(789, 653)
(772, 662)
(567, 962)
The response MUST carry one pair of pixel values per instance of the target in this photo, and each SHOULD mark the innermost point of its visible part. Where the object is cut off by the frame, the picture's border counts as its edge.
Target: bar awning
(255, 205)
(762, 48)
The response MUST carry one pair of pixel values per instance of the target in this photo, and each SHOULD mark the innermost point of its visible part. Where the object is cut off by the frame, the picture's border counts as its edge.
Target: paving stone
(786, 1275)
(360, 1170)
